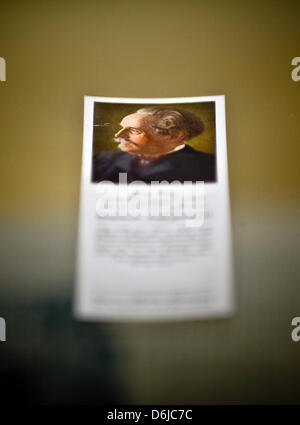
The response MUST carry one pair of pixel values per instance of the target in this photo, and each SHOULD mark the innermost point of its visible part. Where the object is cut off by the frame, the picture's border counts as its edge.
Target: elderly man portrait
(152, 147)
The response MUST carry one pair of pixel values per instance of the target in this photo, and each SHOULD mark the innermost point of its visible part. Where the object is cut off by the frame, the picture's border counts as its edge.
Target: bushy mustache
(121, 139)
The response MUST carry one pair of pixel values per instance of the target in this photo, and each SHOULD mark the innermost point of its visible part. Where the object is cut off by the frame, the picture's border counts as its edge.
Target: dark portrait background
(56, 53)
(112, 114)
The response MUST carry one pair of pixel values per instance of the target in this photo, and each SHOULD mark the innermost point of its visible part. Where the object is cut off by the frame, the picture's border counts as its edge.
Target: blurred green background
(59, 51)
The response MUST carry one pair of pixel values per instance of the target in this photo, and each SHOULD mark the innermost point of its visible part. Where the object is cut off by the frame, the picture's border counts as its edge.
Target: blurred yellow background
(57, 52)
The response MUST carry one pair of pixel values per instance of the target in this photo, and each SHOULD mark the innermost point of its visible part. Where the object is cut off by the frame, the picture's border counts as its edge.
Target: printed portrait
(174, 142)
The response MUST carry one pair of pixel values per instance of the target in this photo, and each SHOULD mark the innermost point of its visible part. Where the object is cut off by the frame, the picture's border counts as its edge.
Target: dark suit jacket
(186, 164)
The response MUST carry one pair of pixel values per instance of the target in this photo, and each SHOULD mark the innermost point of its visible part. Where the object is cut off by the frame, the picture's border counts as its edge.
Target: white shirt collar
(176, 149)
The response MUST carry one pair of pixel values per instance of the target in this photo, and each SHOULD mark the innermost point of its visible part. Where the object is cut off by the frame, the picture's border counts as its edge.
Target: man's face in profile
(138, 137)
